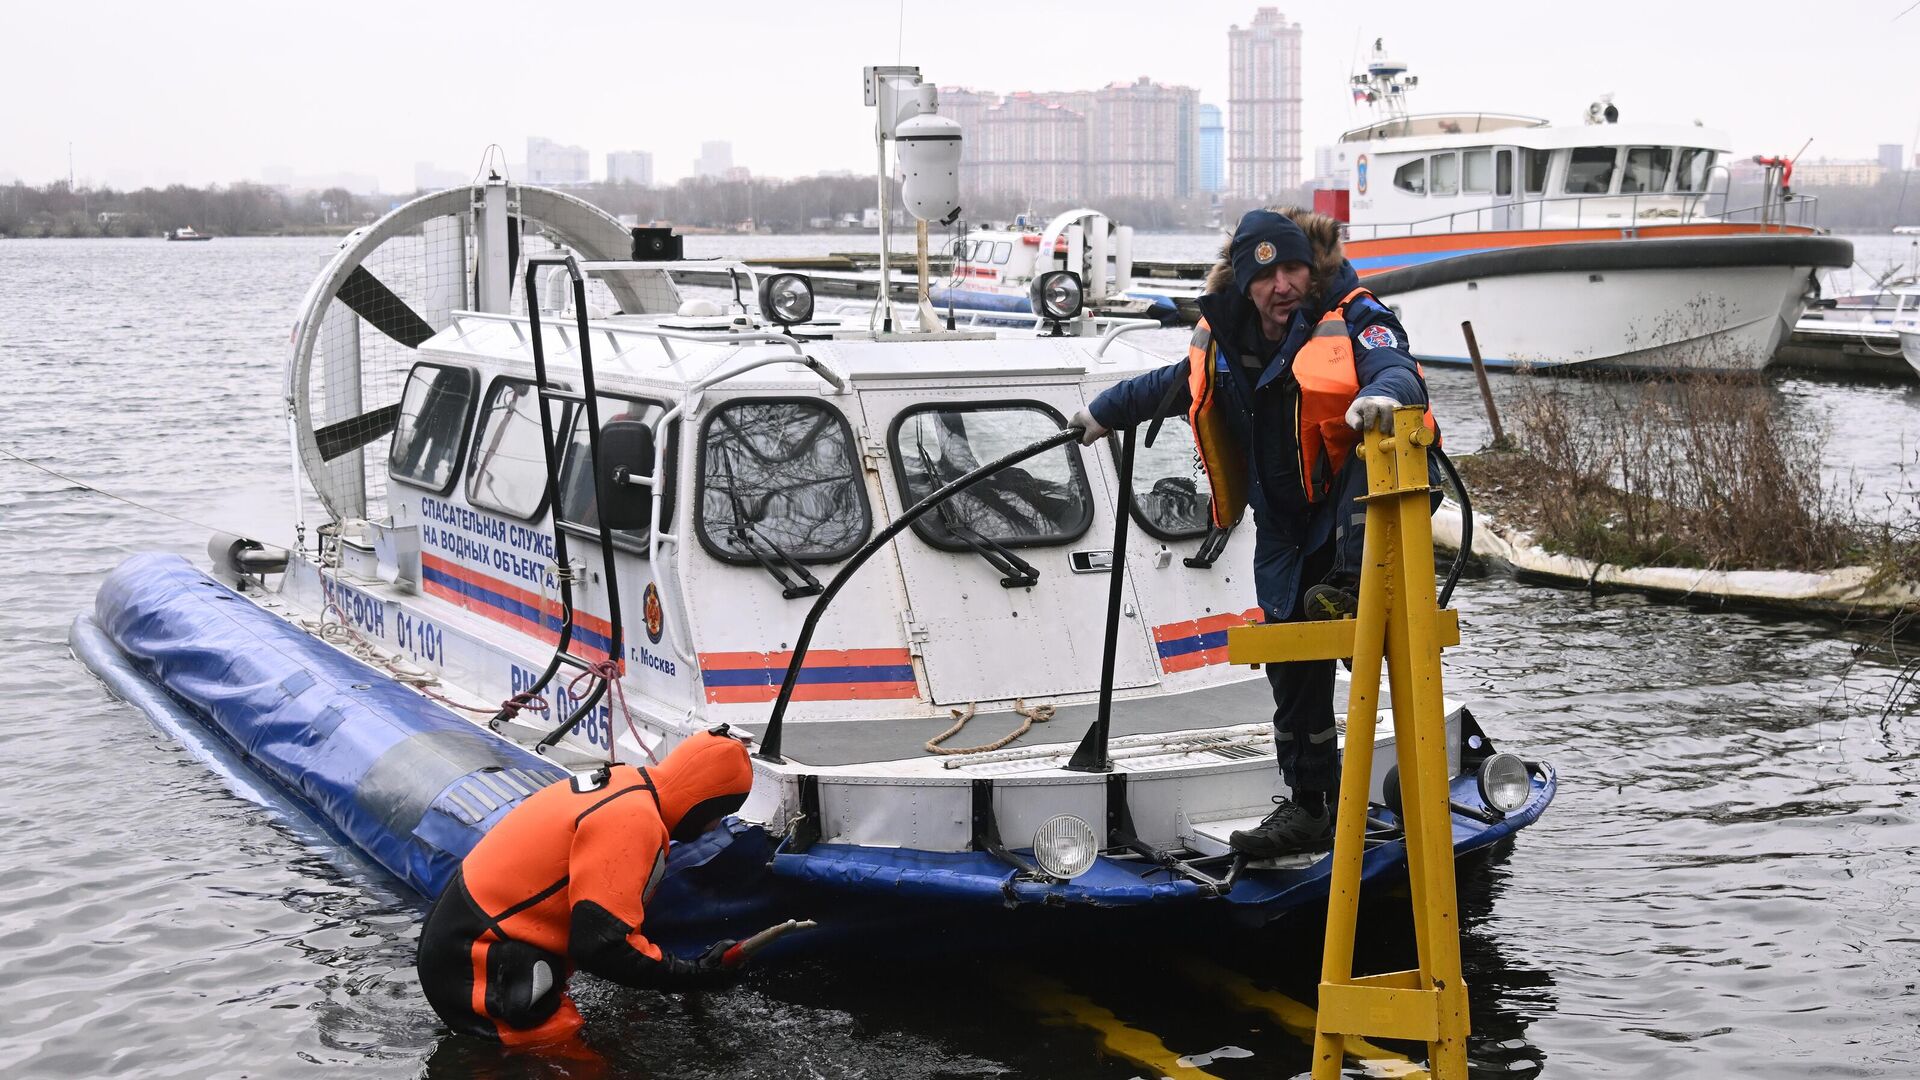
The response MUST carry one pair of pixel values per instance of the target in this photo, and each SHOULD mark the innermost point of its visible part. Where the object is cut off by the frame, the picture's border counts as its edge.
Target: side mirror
(626, 474)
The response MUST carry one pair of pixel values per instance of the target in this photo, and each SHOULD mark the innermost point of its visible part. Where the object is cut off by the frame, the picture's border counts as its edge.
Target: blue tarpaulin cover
(402, 778)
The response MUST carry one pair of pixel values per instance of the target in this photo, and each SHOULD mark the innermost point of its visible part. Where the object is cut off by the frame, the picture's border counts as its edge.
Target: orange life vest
(1324, 368)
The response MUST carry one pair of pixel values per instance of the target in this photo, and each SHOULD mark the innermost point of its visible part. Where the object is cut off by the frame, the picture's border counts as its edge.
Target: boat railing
(1601, 211)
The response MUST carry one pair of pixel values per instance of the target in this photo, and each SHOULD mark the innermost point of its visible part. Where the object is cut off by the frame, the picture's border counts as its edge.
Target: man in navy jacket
(1282, 271)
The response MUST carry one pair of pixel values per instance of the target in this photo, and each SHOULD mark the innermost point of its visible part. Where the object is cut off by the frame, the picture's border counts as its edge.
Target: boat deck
(827, 743)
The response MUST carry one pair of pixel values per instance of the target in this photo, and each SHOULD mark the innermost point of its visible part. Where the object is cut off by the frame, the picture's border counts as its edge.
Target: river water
(1722, 888)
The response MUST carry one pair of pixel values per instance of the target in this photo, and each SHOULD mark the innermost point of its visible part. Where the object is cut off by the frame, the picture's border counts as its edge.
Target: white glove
(1375, 412)
(1093, 431)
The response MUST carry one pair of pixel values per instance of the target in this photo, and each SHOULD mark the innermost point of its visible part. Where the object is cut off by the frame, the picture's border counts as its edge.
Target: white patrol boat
(1602, 243)
(564, 523)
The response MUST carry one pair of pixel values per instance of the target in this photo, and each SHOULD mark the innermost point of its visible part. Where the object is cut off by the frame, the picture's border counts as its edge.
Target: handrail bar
(543, 387)
(1687, 205)
(1119, 327)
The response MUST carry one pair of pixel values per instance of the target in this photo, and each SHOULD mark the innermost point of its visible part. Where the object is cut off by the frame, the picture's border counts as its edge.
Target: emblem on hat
(1264, 253)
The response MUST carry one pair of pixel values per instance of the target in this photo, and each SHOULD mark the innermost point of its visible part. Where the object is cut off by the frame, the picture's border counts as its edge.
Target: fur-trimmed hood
(1329, 256)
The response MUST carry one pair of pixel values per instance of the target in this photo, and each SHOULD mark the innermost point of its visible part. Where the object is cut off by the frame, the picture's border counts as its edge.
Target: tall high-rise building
(1893, 156)
(630, 167)
(549, 162)
(1213, 151)
(1143, 141)
(716, 158)
(1032, 149)
(1263, 103)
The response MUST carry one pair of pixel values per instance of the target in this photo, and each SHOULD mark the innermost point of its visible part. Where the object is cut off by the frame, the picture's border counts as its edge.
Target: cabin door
(1506, 187)
(1046, 524)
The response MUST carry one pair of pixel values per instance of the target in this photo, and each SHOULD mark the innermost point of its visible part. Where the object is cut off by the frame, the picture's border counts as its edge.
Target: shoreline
(1848, 593)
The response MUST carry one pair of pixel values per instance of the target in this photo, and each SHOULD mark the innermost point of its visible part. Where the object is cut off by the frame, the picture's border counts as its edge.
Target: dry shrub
(1689, 471)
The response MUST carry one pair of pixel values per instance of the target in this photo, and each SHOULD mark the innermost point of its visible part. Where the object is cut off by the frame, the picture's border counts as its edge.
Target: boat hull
(1656, 306)
(1910, 348)
(413, 787)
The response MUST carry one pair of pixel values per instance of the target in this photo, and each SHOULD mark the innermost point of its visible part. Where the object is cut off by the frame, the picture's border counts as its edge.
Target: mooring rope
(24, 460)
(1033, 714)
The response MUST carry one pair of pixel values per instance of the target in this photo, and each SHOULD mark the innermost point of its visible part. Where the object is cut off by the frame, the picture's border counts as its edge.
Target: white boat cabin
(1473, 172)
(768, 459)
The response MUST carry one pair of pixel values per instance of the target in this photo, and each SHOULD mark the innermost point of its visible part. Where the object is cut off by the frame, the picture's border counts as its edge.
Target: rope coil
(1032, 713)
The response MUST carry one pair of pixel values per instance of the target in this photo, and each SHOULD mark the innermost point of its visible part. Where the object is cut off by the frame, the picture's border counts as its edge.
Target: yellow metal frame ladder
(1398, 621)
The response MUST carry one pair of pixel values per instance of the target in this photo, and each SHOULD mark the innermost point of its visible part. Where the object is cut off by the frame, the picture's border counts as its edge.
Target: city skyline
(135, 116)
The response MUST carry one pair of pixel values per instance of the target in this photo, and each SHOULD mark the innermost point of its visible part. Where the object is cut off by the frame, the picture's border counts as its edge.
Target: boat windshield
(507, 470)
(782, 473)
(433, 422)
(1044, 501)
(1590, 170)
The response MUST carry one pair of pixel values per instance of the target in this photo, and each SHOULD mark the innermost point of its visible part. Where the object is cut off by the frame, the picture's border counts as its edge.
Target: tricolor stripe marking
(732, 678)
(1200, 642)
(511, 606)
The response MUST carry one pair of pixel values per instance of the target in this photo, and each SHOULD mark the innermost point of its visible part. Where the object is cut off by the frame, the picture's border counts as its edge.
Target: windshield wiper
(1016, 573)
(794, 579)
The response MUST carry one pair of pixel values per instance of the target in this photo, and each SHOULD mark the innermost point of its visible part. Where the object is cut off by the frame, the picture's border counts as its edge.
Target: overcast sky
(185, 91)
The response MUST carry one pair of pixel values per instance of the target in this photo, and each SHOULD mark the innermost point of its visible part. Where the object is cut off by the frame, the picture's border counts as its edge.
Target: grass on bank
(1695, 471)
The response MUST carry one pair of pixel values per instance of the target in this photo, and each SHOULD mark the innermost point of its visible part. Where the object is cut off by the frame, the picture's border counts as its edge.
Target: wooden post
(1486, 392)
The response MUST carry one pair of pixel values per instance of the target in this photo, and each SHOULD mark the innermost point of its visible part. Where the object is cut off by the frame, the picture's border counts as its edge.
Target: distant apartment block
(1893, 157)
(1825, 173)
(1031, 149)
(1143, 142)
(1213, 151)
(630, 167)
(1128, 140)
(549, 162)
(1263, 105)
(714, 160)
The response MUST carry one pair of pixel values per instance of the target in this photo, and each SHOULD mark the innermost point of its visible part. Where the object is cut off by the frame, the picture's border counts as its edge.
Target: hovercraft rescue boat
(578, 521)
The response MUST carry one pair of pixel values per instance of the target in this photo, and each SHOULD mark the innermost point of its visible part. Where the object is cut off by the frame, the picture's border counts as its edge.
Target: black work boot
(1291, 829)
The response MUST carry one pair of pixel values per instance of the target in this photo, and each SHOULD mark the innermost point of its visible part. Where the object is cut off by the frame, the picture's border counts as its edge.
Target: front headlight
(1064, 846)
(1057, 295)
(787, 298)
(1504, 782)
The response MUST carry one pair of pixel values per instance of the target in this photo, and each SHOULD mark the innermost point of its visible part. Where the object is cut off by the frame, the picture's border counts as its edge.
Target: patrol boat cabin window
(434, 409)
(577, 511)
(1590, 170)
(780, 478)
(1044, 500)
(507, 471)
(1171, 497)
(1412, 176)
(1692, 173)
(1536, 163)
(1647, 168)
(1443, 173)
(1477, 172)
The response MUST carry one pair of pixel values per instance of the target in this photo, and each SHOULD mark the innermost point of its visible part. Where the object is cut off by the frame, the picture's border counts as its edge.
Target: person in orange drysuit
(562, 882)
